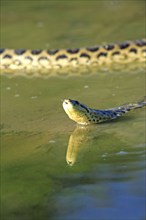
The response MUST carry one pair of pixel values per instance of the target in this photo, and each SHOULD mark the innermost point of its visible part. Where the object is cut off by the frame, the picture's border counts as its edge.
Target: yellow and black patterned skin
(84, 115)
(44, 60)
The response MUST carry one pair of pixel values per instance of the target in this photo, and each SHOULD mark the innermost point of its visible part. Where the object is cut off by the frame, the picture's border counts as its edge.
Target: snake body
(84, 115)
(43, 60)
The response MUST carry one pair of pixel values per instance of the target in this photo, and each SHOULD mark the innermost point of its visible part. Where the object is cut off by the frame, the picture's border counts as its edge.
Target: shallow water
(52, 169)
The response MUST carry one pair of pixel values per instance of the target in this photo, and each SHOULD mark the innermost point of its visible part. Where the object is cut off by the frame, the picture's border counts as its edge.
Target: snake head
(76, 111)
(70, 105)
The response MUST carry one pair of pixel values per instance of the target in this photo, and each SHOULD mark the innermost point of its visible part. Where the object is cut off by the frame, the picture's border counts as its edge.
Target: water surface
(52, 169)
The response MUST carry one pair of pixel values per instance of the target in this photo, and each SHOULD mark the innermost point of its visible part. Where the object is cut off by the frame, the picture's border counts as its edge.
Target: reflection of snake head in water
(84, 115)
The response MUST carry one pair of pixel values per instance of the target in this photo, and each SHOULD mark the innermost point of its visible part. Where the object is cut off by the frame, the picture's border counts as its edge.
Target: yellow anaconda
(43, 61)
(84, 115)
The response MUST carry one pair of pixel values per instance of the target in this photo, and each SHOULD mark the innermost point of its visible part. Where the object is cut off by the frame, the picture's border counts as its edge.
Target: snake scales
(84, 115)
(44, 61)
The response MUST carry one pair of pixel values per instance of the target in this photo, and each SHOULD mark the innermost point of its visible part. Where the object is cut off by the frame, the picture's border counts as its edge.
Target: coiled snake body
(42, 61)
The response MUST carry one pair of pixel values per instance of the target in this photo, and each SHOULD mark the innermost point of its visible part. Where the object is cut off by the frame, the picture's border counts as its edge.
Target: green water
(38, 141)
